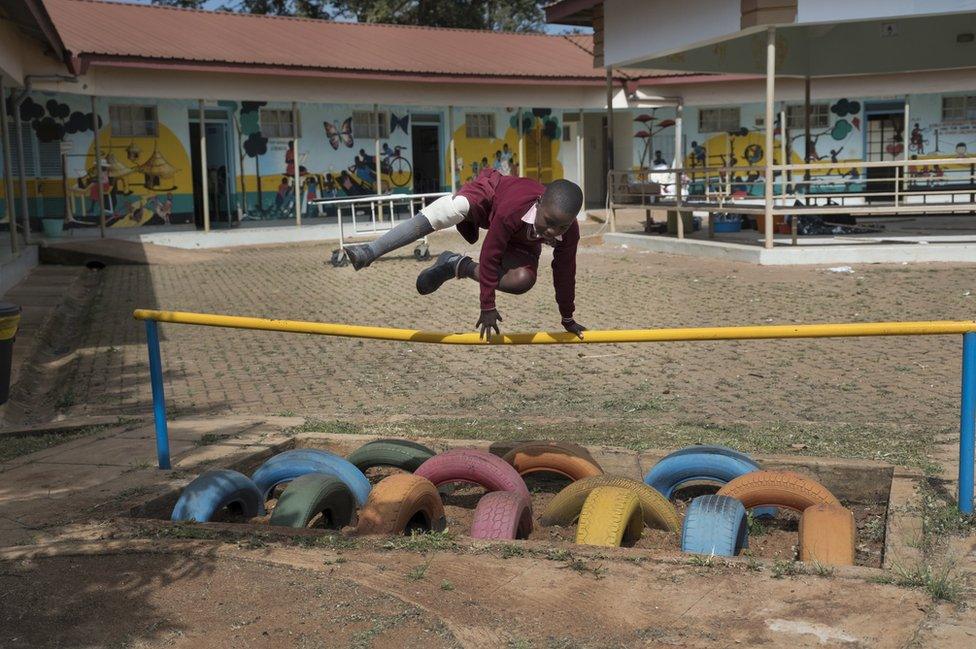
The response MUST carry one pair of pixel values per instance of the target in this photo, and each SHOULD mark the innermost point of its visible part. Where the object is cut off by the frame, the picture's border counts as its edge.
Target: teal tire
(312, 494)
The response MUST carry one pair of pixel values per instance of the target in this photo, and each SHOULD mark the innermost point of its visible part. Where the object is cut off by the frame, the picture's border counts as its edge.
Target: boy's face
(548, 223)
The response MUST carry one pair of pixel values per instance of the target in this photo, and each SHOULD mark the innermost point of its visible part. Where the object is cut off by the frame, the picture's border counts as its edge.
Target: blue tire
(212, 491)
(715, 525)
(715, 464)
(289, 465)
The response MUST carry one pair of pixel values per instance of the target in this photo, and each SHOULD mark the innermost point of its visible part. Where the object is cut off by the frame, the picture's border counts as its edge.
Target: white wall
(833, 11)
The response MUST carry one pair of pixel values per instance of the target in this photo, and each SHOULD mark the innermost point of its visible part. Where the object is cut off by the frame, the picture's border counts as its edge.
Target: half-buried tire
(714, 525)
(565, 507)
(477, 467)
(779, 488)
(401, 504)
(611, 516)
(214, 490)
(533, 457)
(398, 453)
(502, 515)
(287, 466)
(828, 535)
(308, 496)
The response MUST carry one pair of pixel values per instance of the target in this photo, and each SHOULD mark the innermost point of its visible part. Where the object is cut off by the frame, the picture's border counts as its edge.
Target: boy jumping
(520, 215)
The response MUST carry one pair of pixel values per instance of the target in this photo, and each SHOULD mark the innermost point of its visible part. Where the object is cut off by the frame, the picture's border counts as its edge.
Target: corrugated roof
(99, 29)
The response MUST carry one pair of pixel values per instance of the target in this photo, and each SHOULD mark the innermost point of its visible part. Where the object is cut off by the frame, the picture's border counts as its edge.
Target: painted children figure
(520, 215)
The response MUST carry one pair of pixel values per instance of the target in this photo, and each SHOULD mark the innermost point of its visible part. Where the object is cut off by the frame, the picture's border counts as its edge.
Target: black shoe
(445, 268)
(360, 255)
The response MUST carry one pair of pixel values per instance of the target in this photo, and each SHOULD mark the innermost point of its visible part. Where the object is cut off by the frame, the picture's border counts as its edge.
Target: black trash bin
(9, 321)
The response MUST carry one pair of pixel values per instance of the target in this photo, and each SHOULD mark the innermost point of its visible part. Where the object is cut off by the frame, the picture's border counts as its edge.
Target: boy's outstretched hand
(489, 320)
(574, 327)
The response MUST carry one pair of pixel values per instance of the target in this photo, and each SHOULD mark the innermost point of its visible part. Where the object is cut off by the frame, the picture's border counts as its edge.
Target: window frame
(966, 111)
(122, 118)
(367, 130)
(725, 112)
(271, 124)
(479, 126)
(819, 116)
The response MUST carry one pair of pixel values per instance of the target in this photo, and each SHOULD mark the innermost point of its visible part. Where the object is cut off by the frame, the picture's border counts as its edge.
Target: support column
(768, 154)
(205, 186)
(376, 153)
(580, 158)
(902, 174)
(98, 167)
(611, 217)
(967, 424)
(24, 210)
(8, 176)
(679, 155)
(450, 146)
(521, 145)
(295, 164)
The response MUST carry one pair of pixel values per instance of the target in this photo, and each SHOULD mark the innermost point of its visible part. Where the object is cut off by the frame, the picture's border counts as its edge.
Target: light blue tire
(715, 525)
(210, 492)
(713, 464)
(289, 465)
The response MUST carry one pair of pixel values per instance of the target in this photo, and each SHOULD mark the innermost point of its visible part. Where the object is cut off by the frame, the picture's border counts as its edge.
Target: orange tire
(532, 457)
(779, 489)
(400, 504)
(828, 535)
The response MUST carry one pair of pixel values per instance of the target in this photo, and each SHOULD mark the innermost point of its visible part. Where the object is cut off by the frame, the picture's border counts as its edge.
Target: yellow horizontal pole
(843, 330)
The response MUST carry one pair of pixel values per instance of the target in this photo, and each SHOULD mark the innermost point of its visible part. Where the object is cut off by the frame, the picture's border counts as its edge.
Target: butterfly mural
(402, 122)
(339, 135)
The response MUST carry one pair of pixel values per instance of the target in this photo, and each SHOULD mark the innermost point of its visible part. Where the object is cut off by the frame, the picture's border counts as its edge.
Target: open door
(884, 142)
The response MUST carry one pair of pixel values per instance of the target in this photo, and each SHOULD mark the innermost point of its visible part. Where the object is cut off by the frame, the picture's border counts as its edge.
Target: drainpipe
(8, 176)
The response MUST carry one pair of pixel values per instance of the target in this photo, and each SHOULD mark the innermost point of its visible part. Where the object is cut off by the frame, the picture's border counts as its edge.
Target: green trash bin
(9, 321)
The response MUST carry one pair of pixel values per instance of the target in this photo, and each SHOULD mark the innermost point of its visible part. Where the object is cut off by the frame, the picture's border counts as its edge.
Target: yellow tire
(611, 516)
(565, 507)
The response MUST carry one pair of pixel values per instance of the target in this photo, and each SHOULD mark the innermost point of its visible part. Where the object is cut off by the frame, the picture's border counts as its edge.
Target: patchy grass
(942, 582)
(418, 573)
(786, 568)
(11, 447)
(422, 542)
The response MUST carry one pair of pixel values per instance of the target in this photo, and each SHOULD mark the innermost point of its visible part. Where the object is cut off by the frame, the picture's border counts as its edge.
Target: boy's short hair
(563, 197)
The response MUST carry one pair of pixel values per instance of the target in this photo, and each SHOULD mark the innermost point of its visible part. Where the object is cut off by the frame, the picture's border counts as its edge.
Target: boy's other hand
(489, 320)
(574, 327)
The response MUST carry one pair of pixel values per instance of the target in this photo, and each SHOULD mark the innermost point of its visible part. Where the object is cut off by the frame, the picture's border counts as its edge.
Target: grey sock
(403, 234)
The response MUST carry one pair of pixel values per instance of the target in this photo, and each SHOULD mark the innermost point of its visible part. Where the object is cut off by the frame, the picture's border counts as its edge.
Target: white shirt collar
(529, 217)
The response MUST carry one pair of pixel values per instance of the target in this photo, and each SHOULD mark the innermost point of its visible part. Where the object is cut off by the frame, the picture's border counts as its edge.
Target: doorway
(884, 141)
(594, 159)
(425, 143)
(220, 173)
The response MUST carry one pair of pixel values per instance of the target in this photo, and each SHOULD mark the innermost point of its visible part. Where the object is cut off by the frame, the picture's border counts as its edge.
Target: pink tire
(502, 515)
(478, 467)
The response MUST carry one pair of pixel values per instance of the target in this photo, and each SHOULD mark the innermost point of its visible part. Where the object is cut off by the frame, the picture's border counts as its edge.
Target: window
(49, 159)
(278, 123)
(30, 160)
(362, 124)
(717, 120)
(479, 125)
(819, 116)
(132, 121)
(957, 109)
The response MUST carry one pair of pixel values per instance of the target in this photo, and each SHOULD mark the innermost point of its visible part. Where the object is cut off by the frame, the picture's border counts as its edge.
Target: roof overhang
(572, 12)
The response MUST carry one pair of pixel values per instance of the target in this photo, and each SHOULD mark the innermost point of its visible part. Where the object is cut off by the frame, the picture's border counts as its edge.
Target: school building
(209, 120)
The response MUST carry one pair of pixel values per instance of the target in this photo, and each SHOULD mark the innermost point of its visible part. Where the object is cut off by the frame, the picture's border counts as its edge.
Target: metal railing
(967, 421)
(382, 210)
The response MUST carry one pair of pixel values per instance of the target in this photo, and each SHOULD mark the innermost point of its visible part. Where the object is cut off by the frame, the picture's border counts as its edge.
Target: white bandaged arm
(446, 211)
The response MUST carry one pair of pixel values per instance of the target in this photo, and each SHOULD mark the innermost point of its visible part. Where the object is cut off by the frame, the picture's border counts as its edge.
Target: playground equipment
(502, 515)
(611, 516)
(563, 459)
(780, 488)
(311, 495)
(214, 490)
(828, 535)
(478, 467)
(715, 525)
(397, 453)
(285, 467)
(565, 508)
(401, 504)
(967, 328)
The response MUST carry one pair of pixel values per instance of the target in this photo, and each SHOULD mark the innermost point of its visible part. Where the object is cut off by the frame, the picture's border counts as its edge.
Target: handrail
(763, 332)
(374, 198)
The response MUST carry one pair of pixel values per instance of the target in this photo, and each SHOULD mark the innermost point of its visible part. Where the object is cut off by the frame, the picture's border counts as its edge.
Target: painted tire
(565, 507)
(532, 457)
(715, 525)
(478, 467)
(779, 488)
(611, 516)
(400, 504)
(212, 491)
(398, 453)
(828, 535)
(311, 494)
(706, 463)
(502, 515)
(287, 466)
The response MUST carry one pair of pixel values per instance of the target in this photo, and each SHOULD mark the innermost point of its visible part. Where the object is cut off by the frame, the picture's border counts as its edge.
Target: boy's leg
(445, 212)
(519, 270)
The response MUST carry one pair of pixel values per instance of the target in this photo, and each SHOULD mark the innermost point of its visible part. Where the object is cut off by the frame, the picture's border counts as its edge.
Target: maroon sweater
(497, 204)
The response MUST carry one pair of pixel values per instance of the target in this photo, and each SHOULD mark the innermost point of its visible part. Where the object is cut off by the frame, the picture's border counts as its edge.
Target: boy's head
(558, 207)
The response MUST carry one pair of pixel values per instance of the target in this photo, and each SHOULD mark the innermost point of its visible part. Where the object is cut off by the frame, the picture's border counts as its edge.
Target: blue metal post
(159, 400)
(967, 423)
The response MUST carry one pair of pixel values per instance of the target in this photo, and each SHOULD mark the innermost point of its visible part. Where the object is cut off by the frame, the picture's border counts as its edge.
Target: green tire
(311, 494)
(398, 453)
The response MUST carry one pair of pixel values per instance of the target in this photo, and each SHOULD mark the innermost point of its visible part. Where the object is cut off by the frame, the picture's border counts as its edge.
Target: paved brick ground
(893, 382)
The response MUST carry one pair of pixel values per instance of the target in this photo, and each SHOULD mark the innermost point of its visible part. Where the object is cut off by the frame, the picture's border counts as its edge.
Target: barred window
(277, 122)
(819, 116)
(479, 125)
(718, 120)
(133, 121)
(957, 109)
(364, 127)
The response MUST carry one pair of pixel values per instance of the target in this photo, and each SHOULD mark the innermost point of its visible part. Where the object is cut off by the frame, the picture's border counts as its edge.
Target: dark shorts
(518, 257)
